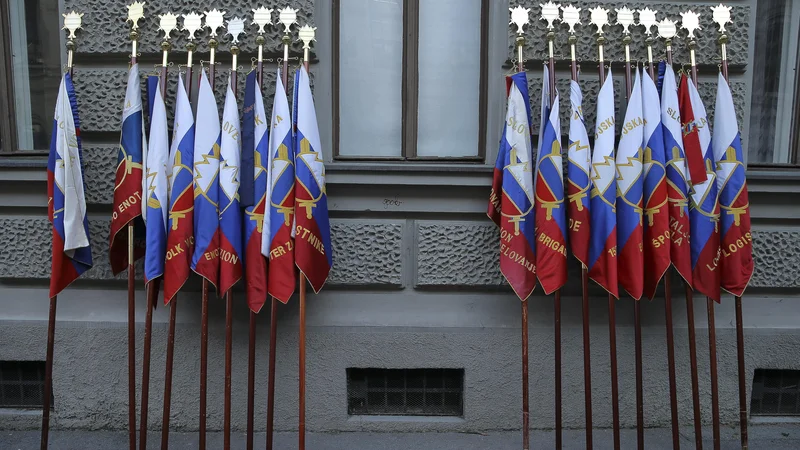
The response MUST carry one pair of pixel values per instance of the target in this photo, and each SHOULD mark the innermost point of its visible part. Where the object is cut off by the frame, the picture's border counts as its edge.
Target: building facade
(410, 102)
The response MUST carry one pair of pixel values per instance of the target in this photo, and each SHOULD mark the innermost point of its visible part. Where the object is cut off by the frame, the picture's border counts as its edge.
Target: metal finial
(235, 28)
(262, 17)
(135, 12)
(192, 22)
(550, 13)
(72, 22)
(571, 16)
(168, 24)
(599, 18)
(215, 19)
(647, 18)
(625, 18)
(519, 17)
(691, 22)
(287, 16)
(307, 34)
(667, 29)
(721, 15)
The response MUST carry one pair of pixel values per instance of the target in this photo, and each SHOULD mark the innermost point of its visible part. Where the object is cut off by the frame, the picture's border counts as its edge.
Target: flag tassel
(48, 373)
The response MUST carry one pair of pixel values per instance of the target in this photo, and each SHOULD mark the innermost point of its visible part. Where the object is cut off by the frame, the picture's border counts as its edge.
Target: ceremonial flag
(205, 261)
(277, 239)
(180, 233)
(677, 176)
(578, 181)
(230, 215)
(550, 214)
(313, 252)
(656, 212)
(511, 199)
(704, 210)
(153, 82)
(255, 141)
(629, 196)
(128, 180)
(603, 242)
(736, 263)
(72, 253)
(157, 209)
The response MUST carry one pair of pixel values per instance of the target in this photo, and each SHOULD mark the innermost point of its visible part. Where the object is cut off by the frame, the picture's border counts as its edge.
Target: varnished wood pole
(132, 309)
(152, 294)
(698, 430)
(526, 443)
(273, 338)
(673, 385)
(168, 374)
(742, 374)
(48, 373)
(301, 372)
(203, 363)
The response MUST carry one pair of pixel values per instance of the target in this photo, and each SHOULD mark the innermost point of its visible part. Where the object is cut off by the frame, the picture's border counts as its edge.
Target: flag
(704, 200)
(205, 261)
(677, 176)
(578, 180)
(630, 258)
(736, 262)
(313, 252)
(603, 241)
(152, 87)
(157, 205)
(128, 182)
(277, 241)
(255, 142)
(180, 230)
(72, 253)
(230, 215)
(550, 215)
(656, 213)
(511, 199)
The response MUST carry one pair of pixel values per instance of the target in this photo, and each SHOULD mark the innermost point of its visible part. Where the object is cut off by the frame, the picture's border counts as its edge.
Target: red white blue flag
(656, 213)
(736, 241)
(277, 240)
(704, 201)
(180, 230)
(511, 204)
(313, 252)
(156, 182)
(550, 214)
(205, 261)
(579, 182)
(128, 182)
(255, 141)
(630, 196)
(677, 178)
(230, 214)
(603, 242)
(72, 254)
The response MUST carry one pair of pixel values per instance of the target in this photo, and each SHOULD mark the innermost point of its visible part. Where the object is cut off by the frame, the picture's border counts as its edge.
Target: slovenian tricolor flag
(277, 239)
(704, 210)
(156, 183)
(578, 181)
(677, 176)
(255, 141)
(629, 196)
(230, 215)
(128, 182)
(180, 229)
(736, 261)
(603, 243)
(656, 213)
(511, 199)
(313, 252)
(205, 261)
(550, 214)
(72, 254)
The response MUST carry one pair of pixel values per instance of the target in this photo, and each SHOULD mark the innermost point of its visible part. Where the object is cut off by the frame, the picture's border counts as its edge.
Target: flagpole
(673, 395)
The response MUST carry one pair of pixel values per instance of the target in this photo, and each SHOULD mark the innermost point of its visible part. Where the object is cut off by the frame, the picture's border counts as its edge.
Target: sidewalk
(772, 437)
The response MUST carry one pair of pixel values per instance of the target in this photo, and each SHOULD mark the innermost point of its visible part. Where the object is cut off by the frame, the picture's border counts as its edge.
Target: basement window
(776, 392)
(22, 384)
(405, 392)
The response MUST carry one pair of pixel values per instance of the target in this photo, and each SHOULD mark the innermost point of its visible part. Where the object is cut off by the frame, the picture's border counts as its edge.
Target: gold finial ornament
(72, 22)
(287, 16)
(192, 23)
(167, 23)
(690, 22)
(215, 19)
(307, 34)
(550, 13)
(571, 16)
(625, 18)
(647, 18)
(599, 18)
(262, 17)
(721, 15)
(135, 13)
(235, 28)
(667, 29)
(520, 18)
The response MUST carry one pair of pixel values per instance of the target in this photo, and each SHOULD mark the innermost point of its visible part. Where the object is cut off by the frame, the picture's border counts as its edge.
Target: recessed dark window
(22, 384)
(405, 392)
(776, 393)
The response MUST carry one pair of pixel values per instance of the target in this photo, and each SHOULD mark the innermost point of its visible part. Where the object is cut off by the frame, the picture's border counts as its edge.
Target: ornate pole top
(262, 17)
(667, 29)
(287, 16)
(192, 22)
(235, 28)
(135, 12)
(625, 18)
(72, 22)
(215, 20)
(599, 18)
(571, 16)
(647, 18)
(690, 22)
(550, 13)
(721, 15)
(519, 17)
(307, 34)
(168, 23)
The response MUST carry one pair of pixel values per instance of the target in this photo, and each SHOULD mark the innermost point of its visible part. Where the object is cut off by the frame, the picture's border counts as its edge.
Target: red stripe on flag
(230, 265)
(604, 271)
(62, 272)
(127, 206)
(282, 277)
(656, 239)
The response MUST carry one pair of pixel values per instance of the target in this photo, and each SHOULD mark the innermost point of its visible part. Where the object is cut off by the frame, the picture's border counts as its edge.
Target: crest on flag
(157, 204)
(230, 215)
(578, 177)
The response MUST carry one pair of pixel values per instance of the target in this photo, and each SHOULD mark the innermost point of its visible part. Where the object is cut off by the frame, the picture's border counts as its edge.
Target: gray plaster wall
(415, 281)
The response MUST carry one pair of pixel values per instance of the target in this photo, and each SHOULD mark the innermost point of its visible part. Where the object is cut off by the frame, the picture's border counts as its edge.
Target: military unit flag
(230, 214)
(156, 184)
(579, 182)
(72, 252)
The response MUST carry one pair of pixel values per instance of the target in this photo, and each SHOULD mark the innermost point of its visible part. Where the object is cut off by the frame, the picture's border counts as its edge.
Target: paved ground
(771, 437)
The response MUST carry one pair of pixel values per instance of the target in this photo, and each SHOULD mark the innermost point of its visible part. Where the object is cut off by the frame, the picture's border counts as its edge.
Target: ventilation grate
(22, 384)
(776, 392)
(405, 392)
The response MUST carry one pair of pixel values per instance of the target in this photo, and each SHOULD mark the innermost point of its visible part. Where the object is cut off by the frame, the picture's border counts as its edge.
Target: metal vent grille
(405, 392)
(22, 384)
(776, 393)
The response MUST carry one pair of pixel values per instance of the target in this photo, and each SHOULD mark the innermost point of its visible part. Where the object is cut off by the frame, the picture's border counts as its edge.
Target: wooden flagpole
(72, 22)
